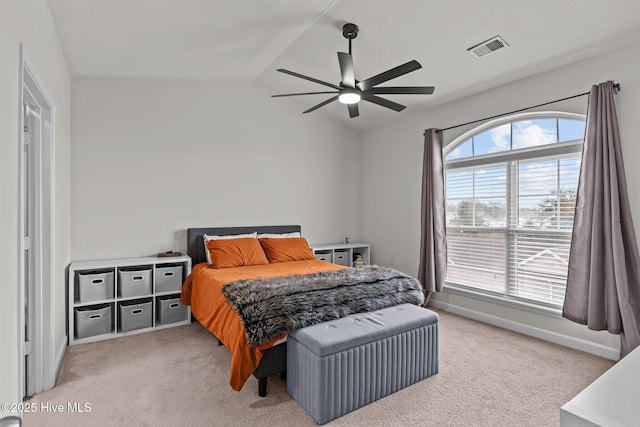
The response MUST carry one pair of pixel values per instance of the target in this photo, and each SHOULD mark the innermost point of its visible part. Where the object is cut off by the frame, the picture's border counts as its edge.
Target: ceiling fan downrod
(350, 32)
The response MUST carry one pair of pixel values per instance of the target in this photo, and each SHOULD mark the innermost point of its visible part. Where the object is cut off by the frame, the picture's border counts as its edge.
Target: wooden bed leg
(262, 387)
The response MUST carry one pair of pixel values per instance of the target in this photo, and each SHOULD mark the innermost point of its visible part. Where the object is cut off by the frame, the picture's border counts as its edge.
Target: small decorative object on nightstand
(169, 254)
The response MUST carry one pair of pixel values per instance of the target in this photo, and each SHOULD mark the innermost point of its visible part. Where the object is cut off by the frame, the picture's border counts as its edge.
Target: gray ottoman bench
(338, 366)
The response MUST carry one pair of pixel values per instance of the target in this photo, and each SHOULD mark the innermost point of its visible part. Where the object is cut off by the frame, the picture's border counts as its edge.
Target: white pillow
(225, 237)
(279, 236)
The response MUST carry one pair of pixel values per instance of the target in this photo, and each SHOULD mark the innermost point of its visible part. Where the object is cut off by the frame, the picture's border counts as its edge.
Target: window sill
(503, 300)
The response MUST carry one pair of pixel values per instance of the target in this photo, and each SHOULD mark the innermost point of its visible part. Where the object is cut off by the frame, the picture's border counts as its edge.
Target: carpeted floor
(178, 377)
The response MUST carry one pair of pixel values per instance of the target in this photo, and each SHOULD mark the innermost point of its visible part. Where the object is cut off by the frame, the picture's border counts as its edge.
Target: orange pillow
(287, 249)
(236, 252)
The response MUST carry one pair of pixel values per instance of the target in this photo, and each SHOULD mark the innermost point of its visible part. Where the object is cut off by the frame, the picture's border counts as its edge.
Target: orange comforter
(203, 291)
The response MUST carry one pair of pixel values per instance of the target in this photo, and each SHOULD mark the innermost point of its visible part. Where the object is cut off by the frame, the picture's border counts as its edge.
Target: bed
(273, 357)
(224, 299)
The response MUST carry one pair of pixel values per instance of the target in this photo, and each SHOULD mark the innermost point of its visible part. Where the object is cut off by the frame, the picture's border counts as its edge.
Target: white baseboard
(60, 357)
(554, 337)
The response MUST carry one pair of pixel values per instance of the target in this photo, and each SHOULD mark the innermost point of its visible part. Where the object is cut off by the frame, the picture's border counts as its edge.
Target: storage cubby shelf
(98, 307)
(343, 253)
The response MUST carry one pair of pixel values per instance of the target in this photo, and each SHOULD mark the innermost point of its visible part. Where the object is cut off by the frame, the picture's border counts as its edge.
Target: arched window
(510, 193)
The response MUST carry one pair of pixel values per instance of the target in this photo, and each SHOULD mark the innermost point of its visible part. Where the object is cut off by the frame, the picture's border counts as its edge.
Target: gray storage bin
(324, 256)
(93, 320)
(94, 285)
(134, 281)
(169, 309)
(135, 315)
(168, 278)
(341, 257)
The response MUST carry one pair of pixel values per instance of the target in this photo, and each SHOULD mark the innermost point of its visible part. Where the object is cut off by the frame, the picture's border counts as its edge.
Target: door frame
(42, 241)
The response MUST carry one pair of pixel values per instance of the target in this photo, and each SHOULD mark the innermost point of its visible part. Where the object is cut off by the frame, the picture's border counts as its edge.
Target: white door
(36, 219)
(31, 119)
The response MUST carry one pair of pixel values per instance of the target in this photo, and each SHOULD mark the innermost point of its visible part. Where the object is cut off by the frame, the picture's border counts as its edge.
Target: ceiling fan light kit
(351, 91)
(349, 96)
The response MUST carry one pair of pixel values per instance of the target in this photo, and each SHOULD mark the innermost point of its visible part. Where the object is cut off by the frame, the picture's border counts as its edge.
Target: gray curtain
(433, 238)
(603, 283)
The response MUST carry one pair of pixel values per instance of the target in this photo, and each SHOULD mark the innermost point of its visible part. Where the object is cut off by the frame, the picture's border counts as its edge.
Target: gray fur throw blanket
(272, 306)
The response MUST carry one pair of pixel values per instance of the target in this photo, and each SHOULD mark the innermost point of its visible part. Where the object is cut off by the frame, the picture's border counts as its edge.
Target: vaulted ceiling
(250, 39)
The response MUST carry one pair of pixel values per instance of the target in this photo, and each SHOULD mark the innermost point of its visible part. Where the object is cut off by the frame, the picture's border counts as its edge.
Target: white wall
(391, 159)
(151, 158)
(29, 22)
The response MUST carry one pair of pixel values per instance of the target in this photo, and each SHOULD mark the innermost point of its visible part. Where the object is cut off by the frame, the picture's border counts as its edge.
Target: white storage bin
(170, 309)
(134, 281)
(135, 315)
(169, 278)
(94, 285)
(324, 256)
(93, 320)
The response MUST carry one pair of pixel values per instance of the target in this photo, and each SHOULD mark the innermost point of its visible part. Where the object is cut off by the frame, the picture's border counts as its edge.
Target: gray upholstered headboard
(195, 243)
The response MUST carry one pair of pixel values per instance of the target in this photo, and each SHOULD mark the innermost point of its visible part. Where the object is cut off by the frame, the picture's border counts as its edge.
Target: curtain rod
(615, 85)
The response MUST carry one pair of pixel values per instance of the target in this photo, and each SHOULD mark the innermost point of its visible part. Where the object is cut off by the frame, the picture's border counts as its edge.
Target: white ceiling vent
(487, 47)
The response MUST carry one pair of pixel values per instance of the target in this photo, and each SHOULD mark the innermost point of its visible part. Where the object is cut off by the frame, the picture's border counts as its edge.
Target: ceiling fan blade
(403, 90)
(311, 79)
(346, 69)
(383, 102)
(389, 74)
(353, 110)
(322, 104)
(303, 93)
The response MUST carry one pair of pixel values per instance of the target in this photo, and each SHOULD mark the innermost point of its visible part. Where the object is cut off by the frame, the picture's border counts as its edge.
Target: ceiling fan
(351, 91)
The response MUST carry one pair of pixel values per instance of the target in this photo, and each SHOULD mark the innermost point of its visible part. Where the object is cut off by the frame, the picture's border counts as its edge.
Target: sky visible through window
(519, 135)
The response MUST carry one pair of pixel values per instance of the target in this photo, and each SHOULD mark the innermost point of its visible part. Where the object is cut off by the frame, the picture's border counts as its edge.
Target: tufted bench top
(358, 329)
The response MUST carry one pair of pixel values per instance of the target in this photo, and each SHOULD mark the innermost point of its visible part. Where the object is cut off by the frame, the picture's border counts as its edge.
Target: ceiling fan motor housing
(350, 31)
